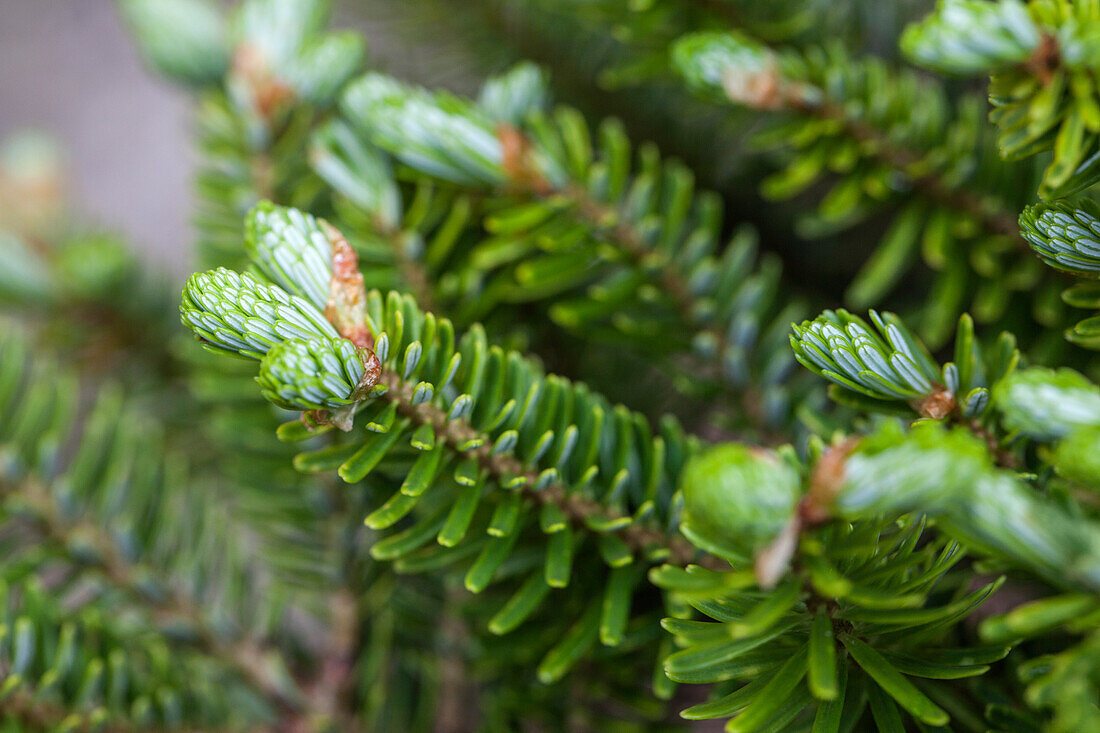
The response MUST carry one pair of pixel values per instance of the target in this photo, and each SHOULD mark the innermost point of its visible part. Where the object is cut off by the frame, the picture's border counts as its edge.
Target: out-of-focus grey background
(68, 68)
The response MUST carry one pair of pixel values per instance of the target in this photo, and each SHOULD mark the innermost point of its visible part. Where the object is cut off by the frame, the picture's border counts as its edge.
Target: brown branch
(577, 509)
(767, 89)
(457, 699)
(331, 693)
(39, 714)
(524, 177)
(992, 216)
(42, 715)
(1002, 457)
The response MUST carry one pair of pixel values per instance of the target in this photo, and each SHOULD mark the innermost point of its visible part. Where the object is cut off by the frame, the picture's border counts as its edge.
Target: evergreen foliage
(412, 500)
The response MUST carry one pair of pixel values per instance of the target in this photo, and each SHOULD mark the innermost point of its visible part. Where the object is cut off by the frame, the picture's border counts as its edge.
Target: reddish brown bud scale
(1045, 60)
(347, 301)
(765, 89)
(372, 372)
(268, 94)
(516, 160)
(937, 405)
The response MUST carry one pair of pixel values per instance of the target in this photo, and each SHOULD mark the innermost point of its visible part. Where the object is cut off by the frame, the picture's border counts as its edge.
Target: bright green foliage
(239, 314)
(489, 435)
(290, 248)
(738, 68)
(737, 500)
(945, 42)
(25, 276)
(1077, 456)
(1047, 404)
(310, 375)
(491, 439)
(794, 655)
(283, 42)
(510, 97)
(632, 259)
(1065, 236)
(889, 364)
(116, 519)
(255, 120)
(948, 474)
(111, 673)
(358, 171)
(444, 135)
(184, 39)
(1057, 407)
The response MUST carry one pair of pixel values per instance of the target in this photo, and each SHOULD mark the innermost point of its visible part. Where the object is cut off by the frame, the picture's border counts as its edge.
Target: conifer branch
(42, 715)
(243, 655)
(660, 233)
(994, 215)
(813, 587)
(644, 540)
(758, 79)
(670, 281)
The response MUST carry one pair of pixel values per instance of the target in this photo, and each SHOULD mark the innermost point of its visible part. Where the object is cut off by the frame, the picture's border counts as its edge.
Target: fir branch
(671, 281)
(314, 375)
(580, 511)
(299, 374)
(546, 176)
(615, 228)
(244, 655)
(1041, 64)
(993, 215)
(27, 709)
(889, 365)
(753, 75)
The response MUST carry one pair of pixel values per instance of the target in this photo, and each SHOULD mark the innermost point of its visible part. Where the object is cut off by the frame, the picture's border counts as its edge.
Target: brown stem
(42, 715)
(1045, 61)
(942, 404)
(331, 693)
(1002, 457)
